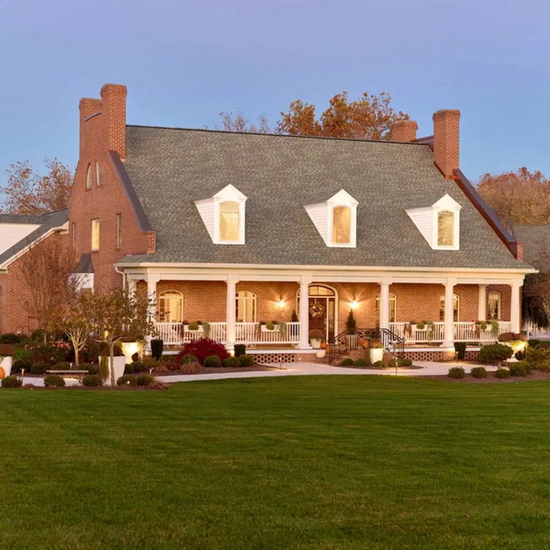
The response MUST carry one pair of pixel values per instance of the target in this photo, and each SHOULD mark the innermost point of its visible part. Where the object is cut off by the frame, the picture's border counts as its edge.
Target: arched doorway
(322, 305)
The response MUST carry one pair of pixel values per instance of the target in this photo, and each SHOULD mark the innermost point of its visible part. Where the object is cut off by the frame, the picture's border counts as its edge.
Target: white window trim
(499, 308)
(89, 177)
(446, 204)
(227, 194)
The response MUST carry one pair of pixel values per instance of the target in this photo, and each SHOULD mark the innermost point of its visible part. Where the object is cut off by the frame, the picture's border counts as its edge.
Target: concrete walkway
(429, 368)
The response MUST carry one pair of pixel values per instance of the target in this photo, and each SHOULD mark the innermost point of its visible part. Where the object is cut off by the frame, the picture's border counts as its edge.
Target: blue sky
(185, 61)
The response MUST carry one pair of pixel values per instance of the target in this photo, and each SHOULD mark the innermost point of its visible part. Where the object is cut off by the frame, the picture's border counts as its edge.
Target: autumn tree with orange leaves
(28, 192)
(522, 197)
(369, 117)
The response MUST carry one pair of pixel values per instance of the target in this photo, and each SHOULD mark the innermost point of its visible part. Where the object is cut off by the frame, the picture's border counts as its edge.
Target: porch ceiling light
(281, 303)
(354, 304)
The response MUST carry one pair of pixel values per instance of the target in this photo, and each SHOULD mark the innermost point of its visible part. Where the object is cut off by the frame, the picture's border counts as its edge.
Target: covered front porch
(262, 308)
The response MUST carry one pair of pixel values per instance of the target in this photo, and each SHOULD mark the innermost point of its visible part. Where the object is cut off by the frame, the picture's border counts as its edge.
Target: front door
(321, 315)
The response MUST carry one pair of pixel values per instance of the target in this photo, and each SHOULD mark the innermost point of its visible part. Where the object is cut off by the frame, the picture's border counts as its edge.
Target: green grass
(350, 462)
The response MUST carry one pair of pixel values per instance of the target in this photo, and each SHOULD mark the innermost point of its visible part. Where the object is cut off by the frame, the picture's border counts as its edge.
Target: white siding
(11, 233)
(319, 216)
(423, 218)
(206, 211)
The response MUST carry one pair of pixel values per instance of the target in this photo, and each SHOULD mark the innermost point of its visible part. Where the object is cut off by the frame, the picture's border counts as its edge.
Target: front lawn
(339, 462)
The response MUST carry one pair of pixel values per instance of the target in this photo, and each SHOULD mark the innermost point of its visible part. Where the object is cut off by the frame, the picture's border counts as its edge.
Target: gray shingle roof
(170, 168)
(21, 218)
(47, 221)
(535, 239)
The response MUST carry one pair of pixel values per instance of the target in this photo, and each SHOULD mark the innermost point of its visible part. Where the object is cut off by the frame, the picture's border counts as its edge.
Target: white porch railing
(463, 332)
(246, 333)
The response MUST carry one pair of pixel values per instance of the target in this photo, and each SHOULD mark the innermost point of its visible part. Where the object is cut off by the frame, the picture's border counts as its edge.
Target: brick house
(234, 229)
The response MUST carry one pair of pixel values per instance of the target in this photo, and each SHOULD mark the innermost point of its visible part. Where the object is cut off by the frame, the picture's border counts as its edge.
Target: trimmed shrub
(189, 358)
(92, 381)
(90, 367)
(479, 372)
(460, 348)
(240, 349)
(129, 368)
(517, 369)
(361, 363)
(150, 363)
(189, 368)
(63, 365)
(213, 361)
(203, 348)
(40, 368)
(11, 338)
(495, 353)
(347, 362)
(6, 350)
(139, 366)
(405, 362)
(54, 381)
(502, 373)
(246, 360)
(378, 364)
(21, 364)
(11, 382)
(145, 380)
(126, 381)
(231, 362)
(456, 372)
(538, 358)
(157, 346)
(534, 342)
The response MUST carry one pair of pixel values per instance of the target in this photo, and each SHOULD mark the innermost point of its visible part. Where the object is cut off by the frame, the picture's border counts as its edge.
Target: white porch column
(448, 337)
(132, 286)
(304, 313)
(231, 313)
(482, 303)
(385, 303)
(515, 307)
(152, 281)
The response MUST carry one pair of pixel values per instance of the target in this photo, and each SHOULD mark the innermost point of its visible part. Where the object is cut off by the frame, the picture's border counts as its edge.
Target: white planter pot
(6, 365)
(321, 354)
(316, 343)
(376, 354)
(119, 363)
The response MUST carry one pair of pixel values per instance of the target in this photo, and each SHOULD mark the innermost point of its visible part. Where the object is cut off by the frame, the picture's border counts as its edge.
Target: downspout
(123, 273)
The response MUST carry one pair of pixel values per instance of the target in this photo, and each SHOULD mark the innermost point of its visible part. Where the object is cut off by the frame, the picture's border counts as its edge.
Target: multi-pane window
(341, 225)
(493, 305)
(98, 174)
(229, 221)
(246, 306)
(171, 307)
(119, 231)
(95, 234)
(445, 228)
(456, 304)
(393, 308)
(89, 177)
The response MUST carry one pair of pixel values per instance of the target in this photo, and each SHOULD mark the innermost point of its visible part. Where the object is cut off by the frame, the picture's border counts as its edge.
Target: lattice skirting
(264, 358)
(471, 355)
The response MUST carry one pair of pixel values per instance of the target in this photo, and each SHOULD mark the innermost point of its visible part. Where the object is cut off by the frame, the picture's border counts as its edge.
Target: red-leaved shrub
(203, 348)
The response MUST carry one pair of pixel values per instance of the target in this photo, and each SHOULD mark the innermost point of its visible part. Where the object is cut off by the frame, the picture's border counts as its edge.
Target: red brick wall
(99, 134)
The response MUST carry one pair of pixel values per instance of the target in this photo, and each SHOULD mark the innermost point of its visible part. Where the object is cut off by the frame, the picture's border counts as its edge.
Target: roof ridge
(328, 138)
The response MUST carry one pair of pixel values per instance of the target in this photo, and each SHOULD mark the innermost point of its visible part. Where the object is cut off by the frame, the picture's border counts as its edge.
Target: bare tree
(236, 122)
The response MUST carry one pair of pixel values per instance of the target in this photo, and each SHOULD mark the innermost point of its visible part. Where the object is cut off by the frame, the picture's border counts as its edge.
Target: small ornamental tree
(118, 313)
(351, 323)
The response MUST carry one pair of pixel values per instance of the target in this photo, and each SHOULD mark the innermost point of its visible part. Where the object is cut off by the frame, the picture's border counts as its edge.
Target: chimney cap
(445, 113)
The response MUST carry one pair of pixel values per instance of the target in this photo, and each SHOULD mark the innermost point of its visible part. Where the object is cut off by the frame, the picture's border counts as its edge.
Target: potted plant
(494, 329)
(316, 338)
(267, 327)
(376, 351)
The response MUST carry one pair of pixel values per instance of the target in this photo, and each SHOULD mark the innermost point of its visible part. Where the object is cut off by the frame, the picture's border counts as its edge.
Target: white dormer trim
(426, 221)
(322, 216)
(209, 210)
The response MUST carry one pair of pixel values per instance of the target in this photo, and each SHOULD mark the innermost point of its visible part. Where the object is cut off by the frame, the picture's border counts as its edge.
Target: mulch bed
(213, 370)
(469, 379)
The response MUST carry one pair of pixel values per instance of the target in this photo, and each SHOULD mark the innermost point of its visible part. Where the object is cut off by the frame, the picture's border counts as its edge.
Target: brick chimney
(446, 141)
(113, 99)
(404, 130)
(88, 107)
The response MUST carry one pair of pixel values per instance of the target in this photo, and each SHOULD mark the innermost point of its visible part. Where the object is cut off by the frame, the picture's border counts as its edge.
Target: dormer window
(336, 219)
(341, 225)
(439, 223)
(89, 177)
(229, 221)
(224, 216)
